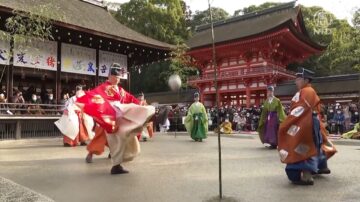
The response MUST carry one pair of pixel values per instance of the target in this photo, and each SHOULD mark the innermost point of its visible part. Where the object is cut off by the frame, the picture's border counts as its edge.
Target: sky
(342, 9)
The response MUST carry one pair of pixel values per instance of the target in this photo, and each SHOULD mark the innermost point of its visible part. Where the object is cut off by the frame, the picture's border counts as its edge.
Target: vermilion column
(257, 99)
(248, 96)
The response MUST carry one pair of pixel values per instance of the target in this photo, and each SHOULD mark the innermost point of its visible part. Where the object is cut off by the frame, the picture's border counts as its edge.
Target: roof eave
(169, 47)
(289, 24)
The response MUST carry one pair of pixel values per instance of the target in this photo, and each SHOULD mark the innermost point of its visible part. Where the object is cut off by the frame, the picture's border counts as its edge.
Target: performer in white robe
(74, 124)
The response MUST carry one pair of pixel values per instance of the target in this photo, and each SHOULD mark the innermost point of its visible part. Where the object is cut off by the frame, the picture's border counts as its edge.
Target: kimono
(148, 130)
(271, 116)
(302, 138)
(120, 117)
(75, 125)
(196, 122)
(226, 127)
(353, 134)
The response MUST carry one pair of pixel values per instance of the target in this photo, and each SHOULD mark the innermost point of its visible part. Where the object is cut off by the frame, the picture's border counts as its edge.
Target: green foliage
(149, 78)
(342, 40)
(203, 17)
(160, 19)
(35, 23)
(164, 20)
(154, 77)
(356, 19)
(180, 64)
(254, 8)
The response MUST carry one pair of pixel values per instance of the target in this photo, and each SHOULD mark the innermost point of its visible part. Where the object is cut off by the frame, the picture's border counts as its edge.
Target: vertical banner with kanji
(107, 58)
(36, 54)
(4, 52)
(78, 59)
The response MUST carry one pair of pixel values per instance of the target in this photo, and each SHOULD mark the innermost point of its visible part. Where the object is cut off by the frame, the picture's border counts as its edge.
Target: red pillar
(257, 99)
(202, 96)
(219, 99)
(248, 96)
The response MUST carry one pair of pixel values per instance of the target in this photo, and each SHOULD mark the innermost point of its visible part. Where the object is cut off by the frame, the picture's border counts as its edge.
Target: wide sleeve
(262, 118)
(280, 111)
(189, 119)
(206, 120)
(130, 98)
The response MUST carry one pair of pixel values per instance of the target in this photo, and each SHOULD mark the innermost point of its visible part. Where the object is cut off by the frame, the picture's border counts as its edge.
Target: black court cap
(305, 73)
(116, 70)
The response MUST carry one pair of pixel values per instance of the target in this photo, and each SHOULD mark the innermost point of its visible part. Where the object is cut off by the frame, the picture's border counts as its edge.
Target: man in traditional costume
(163, 119)
(353, 134)
(303, 143)
(271, 116)
(196, 121)
(226, 127)
(148, 130)
(74, 124)
(119, 116)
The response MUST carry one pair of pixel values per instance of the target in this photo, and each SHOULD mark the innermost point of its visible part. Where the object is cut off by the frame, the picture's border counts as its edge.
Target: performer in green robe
(271, 117)
(353, 134)
(196, 121)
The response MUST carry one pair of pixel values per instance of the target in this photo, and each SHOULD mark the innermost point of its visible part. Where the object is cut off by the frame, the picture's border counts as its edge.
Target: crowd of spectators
(340, 118)
(32, 102)
(337, 117)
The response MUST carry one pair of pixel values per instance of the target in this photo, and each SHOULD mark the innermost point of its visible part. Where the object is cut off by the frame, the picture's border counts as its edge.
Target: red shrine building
(252, 52)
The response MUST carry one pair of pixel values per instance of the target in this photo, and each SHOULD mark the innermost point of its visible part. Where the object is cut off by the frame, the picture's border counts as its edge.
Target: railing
(253, 71)
(30, 109)
(20, 120)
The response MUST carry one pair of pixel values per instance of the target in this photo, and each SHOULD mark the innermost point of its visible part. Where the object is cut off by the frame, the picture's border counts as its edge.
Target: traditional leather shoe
(109, 156)
(88, 158)
(118, 169)
(324, 171)
(273, 147)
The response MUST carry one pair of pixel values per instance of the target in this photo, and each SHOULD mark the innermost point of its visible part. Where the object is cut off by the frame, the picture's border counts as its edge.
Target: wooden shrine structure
(252, 52)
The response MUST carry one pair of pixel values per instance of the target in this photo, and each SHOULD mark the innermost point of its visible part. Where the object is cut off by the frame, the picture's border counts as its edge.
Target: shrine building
(87, 40)
(252, 52)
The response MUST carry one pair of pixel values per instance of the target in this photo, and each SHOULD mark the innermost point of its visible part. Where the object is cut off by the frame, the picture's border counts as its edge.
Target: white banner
(36, 54)
(78, 59)
(4, 52)
(107, 58)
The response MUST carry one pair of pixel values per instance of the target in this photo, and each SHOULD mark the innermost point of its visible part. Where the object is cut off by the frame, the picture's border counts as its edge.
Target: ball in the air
(174, 82)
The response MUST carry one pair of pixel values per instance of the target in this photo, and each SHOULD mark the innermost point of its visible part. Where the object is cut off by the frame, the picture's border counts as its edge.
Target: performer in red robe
(98, 143)
(303, 143)
(110, 106)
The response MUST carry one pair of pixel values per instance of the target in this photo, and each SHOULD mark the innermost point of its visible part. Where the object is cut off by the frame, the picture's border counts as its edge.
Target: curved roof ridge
(87, 16)
(248, 15)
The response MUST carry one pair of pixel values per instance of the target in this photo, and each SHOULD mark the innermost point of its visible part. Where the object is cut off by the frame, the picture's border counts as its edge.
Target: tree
(165, 20)
(35, 23)
(356, 19)
(203, 17)
(254, 8)
(342, 40)
(160, 19)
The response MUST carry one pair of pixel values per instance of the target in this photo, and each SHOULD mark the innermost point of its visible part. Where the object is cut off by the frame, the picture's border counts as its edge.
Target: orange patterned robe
(296, 141)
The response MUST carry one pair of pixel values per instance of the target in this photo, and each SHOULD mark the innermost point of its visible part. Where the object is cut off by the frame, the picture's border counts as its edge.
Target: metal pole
(129, 84)
(217, 98)
(178, 113)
